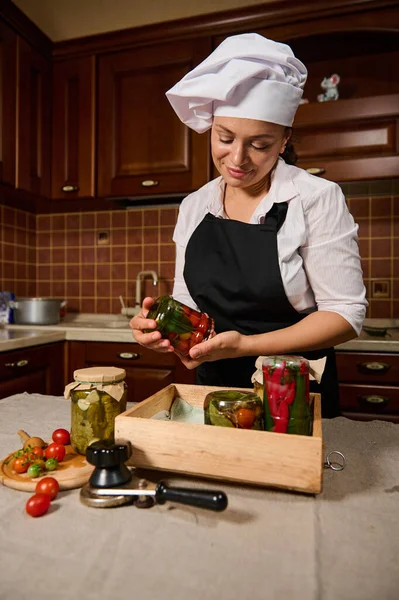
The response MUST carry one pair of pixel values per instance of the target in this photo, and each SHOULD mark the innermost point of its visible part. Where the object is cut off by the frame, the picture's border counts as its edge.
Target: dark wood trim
(15, 18)
(269, 14)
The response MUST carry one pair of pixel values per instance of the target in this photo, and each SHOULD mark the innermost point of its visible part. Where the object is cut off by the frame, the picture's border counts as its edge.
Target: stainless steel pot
(37, 311)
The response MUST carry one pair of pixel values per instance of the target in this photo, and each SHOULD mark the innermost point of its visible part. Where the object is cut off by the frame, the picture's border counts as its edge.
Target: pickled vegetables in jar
(98, 395)
(288, 407)
(232, 408)
(183, 326)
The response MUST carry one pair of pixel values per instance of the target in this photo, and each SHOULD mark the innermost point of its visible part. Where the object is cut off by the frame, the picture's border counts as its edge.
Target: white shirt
(317, 244)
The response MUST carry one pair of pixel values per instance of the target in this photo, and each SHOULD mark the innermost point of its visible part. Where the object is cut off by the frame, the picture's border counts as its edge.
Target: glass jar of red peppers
(287, 403)
(183, 326)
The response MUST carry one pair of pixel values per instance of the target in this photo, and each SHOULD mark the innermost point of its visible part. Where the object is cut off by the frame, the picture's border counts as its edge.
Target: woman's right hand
(152, 340)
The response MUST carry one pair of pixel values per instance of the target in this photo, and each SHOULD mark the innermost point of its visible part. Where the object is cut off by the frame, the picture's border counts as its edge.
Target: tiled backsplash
(61, 255)
(93, 258)
(17, 251)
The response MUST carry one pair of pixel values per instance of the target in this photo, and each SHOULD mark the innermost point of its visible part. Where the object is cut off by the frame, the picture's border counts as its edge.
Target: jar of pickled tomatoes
(183, 326)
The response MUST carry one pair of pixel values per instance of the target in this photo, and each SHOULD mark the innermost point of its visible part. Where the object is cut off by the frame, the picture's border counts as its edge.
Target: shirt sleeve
(182, 230)
(331, 256)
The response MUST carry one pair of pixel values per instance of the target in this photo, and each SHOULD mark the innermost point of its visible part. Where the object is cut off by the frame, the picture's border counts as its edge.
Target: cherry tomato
(48, 486)
(182, 347)
(203, 324)
(194, 320)
(56, 451)
(245, 418)
(34, 470)
(30, 456)
(51, 464)
(38, 505)
(61, 436)
(40, 462)
(20, 464)
(38, 452)
(196, 338)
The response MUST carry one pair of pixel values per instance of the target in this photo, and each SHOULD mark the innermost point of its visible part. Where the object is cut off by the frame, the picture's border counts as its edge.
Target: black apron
(232, 272)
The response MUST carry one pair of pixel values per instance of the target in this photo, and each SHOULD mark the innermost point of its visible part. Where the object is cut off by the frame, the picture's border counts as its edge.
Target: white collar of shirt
(282, 189)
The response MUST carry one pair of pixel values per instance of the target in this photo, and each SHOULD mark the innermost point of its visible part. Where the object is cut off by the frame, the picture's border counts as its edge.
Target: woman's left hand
(223, 345)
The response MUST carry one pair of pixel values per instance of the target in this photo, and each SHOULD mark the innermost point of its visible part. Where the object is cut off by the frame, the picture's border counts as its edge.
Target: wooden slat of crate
(285, 461)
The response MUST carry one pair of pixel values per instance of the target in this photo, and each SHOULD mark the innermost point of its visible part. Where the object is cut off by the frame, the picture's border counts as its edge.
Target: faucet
(141, 276)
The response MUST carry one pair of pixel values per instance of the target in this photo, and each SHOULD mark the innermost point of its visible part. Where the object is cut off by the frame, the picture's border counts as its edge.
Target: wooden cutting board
(73, 472)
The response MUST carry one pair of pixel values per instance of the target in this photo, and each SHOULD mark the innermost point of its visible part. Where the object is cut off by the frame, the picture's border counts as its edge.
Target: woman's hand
(152, 340)
(228, 344)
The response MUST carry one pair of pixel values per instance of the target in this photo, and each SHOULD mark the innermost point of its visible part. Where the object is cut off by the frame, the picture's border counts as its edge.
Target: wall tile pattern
(59, 255)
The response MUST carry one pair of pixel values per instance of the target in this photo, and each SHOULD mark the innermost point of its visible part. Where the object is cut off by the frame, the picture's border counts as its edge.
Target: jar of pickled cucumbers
(287, 403)
(232, 408)
(98, 395)
(183, 326)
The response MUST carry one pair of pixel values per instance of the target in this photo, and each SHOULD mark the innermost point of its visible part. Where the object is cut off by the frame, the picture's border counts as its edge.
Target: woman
(269, 251)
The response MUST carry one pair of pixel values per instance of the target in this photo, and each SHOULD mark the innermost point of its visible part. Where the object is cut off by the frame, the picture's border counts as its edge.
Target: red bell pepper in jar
(287, 407)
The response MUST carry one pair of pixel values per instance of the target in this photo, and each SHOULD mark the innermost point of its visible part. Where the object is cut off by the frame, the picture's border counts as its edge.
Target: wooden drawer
(367, 367)
(121, 355)
(369, 399)
(19, 362)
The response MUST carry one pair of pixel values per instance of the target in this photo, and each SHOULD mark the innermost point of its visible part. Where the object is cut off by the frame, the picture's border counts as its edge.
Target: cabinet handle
(16, 365)
(129, 355)
(70, 188)
(374, 399)
(377, 368)
(149, 183)
(316, 170)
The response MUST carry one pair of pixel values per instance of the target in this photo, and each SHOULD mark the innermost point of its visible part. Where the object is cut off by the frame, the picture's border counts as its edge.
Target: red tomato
(61, 436)
(56, 451)
(20, 464)
(203, 324)
(194, 320)
(38, 505)
(182, 347)
(48, 486)
(245, 418)
(38, 452)
(196, 338)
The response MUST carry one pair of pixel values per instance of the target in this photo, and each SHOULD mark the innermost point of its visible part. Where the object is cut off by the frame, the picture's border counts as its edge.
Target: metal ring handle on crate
(335, 466)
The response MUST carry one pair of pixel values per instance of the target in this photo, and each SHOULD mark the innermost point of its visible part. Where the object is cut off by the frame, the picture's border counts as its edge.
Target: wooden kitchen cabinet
(369, 385)
(73, 134)
(143, 148)
(146, 371)
(36, 370)
(8, 73)
(33, 129)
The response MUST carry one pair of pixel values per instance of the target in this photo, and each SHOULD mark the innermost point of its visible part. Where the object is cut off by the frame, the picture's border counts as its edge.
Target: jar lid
(99, 375)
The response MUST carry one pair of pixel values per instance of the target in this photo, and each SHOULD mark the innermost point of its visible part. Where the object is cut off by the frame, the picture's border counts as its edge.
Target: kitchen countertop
(267, 545)
(115, 328)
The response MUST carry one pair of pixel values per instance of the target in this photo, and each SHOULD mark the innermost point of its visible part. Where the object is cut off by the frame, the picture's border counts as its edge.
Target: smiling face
(245, 151)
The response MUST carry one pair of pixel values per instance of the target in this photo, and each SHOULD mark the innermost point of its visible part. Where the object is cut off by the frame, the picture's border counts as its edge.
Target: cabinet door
(38, 370)
(73, 150)
(33, 120)
(143, 148)
(8, 71)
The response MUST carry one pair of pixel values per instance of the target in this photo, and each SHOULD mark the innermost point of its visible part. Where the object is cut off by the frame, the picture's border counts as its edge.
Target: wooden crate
(293, 462)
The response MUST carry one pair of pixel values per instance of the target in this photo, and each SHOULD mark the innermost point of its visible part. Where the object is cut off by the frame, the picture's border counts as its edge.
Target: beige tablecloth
(341, 545)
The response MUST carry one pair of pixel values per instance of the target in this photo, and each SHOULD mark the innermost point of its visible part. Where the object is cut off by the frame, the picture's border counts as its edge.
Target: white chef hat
(247, 76)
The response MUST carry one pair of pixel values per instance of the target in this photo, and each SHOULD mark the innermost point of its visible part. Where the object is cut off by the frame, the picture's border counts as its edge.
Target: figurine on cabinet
(330, 84)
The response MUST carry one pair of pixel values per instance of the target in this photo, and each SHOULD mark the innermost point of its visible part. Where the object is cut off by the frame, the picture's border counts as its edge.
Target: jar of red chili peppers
(183, 326)
(287, 403)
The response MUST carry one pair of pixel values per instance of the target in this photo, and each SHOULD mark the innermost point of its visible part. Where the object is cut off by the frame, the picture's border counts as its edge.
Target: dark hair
(289, 154)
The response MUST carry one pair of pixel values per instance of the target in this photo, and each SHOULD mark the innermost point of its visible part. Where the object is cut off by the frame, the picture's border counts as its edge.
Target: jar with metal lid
(287, 402)
(183, 326)
(98, 395)
(233, 408)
